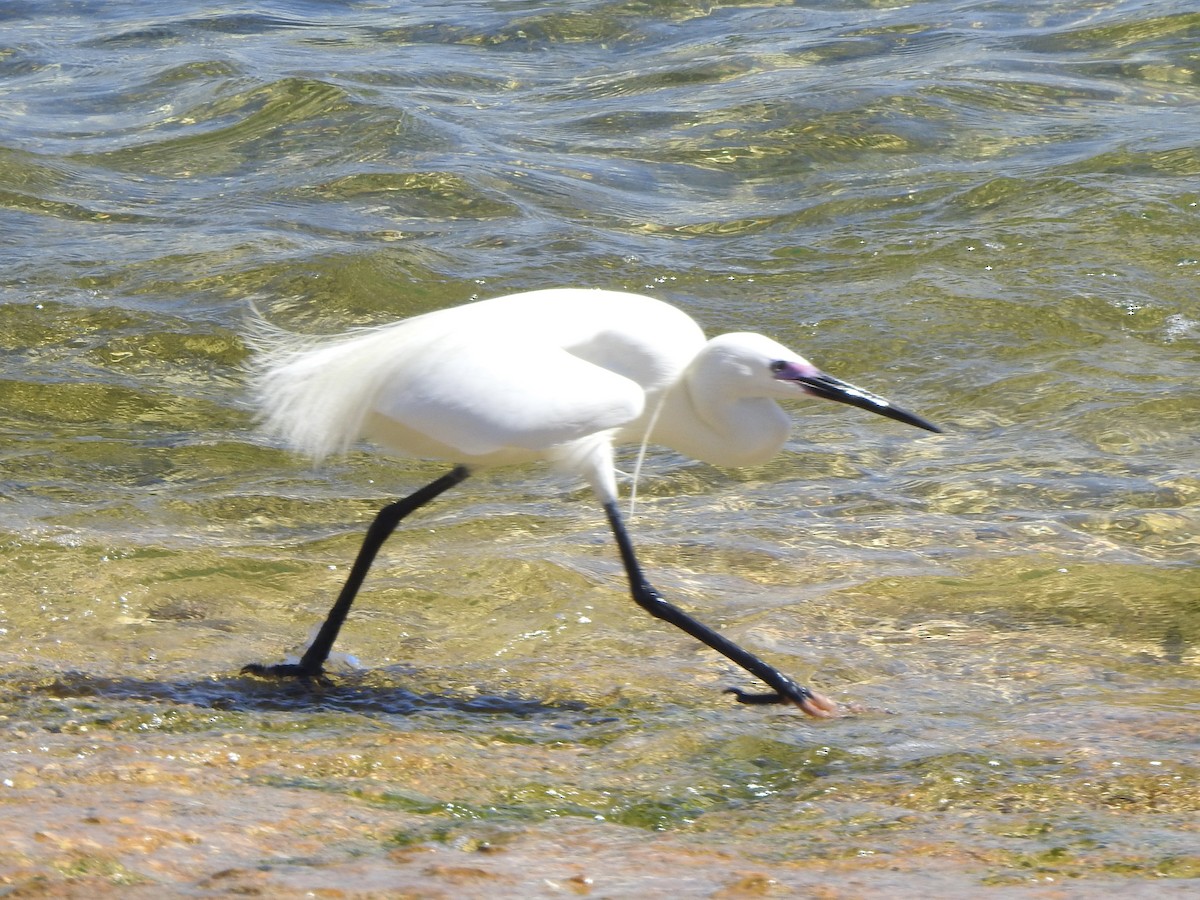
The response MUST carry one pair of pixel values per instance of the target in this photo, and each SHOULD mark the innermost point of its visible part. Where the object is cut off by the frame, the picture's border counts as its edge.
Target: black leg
(785, 690)
(312, 664)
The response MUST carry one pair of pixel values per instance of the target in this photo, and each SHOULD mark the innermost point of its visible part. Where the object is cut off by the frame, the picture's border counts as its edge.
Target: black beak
(830, 388)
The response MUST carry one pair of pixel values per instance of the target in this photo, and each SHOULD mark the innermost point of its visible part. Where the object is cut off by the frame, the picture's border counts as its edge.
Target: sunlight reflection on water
(987, 215)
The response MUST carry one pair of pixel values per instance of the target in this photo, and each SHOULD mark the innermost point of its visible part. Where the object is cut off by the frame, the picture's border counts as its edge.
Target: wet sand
(110, 795)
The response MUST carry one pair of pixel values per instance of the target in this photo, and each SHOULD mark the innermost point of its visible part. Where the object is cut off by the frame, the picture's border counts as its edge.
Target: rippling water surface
(988, 211)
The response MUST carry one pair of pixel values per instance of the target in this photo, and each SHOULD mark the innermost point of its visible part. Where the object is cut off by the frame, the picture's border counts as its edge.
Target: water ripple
(987, 211)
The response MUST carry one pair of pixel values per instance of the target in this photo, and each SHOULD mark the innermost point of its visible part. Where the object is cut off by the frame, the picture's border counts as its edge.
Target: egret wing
(483, 397)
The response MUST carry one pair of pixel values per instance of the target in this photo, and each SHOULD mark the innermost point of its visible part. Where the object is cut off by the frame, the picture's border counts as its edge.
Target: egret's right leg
(784, 689)
(312, 663)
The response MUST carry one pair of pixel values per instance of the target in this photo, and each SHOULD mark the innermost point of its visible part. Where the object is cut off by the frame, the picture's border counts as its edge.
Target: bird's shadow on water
(363, 694)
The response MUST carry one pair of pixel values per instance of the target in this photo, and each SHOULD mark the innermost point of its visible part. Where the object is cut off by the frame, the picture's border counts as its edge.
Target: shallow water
(987, 211)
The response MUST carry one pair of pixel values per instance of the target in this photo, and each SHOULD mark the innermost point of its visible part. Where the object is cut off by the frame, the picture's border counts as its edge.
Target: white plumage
(560, 375)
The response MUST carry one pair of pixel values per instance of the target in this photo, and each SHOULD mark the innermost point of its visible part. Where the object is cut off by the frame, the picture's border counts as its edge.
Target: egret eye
(778, 366)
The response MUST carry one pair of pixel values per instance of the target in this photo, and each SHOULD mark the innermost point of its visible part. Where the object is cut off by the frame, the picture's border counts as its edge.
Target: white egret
(560, 375)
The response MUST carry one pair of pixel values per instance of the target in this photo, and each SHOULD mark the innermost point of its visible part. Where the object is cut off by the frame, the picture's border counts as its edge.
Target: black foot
(810, 702)
(745, 697)
(286, 670)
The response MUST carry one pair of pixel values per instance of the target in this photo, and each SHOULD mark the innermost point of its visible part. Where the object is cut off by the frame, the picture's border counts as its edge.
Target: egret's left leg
(312, 663)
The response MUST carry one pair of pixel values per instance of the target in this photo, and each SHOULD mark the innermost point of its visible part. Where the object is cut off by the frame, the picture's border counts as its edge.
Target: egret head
(746, 364)
(751, 365)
